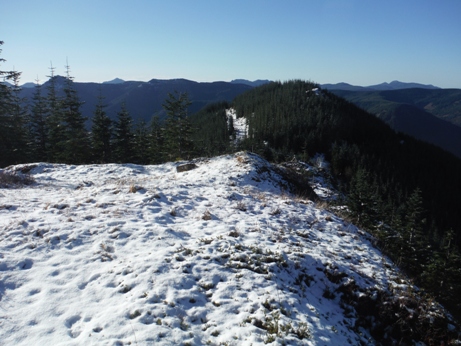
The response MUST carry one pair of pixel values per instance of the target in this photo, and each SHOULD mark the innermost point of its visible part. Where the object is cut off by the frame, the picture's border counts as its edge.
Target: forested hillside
(403, 191)
(442, 103)
(432, 116)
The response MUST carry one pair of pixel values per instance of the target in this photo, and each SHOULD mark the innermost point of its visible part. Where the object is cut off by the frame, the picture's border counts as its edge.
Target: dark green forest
(403, 191)
(433, 116)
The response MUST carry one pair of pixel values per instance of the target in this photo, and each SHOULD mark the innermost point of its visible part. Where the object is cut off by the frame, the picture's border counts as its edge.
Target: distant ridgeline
(404, 191)
(143, 100)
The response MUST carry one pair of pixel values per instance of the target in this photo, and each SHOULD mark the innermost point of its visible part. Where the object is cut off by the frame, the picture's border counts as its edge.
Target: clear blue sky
(360, 42)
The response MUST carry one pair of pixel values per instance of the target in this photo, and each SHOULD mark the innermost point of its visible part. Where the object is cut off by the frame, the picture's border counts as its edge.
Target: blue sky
(360, 42)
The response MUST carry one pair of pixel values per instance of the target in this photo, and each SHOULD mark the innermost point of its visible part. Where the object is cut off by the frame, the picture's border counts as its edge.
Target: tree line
(52, 128)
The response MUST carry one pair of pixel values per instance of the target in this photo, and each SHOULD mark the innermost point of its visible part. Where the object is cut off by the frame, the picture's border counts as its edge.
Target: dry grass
(242, 159)
(241, 206)
(8, 179)
(207, 216)
(322, 205)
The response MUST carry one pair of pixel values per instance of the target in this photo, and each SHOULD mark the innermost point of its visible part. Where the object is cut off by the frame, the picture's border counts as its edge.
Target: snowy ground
(143, 255)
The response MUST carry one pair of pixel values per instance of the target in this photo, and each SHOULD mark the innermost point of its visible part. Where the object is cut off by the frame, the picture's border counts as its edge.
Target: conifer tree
(415, 244)
(156, 141)
(178, 129)
(101, 133)
(11, 124)
(38, 131)
(363, 201)
(76, 141)
(19, 132)
(443, 275)
(54, 121)
(123, 136)
(141, 143)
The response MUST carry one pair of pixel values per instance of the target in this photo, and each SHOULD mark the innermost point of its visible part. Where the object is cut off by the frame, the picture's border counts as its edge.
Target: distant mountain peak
(255, 83)
(397, 85)
(114, 81)
(394, 85)
(28, 85)
(342, 86)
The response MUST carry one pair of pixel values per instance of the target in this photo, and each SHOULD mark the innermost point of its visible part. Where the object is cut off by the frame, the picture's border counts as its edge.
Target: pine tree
(13, 134)
(123, 136)
(443, 275)
(156, 141)
(141, 143)
(54, 121)
(101, 133)
(213, 130)
(178, 129)
(38, 131)
(76, 140)
(19, 123)
(414, 246)
(363, 200)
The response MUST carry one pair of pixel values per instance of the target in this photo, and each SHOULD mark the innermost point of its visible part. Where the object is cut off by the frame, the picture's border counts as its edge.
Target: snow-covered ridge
(221, 254)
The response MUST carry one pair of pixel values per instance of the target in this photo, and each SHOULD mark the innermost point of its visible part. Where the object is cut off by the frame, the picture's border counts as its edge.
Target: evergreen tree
(214, 131)
(141, 143)
(178, 129)
(363, 200)
(415, 245)
(19, 123)
(38, 131)
(443, 274)
(101, 133)
(54, 121)
(123, 136)
(156, 141)
(12, 123)
(76, 141)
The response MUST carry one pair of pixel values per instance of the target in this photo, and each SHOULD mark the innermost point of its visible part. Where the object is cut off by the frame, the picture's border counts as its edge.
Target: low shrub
(11, 179)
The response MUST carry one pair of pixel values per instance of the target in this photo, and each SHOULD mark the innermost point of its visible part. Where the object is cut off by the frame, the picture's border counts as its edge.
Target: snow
(240, 125)
(144, 255)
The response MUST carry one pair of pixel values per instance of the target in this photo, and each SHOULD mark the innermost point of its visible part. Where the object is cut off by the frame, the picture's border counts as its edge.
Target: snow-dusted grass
(144, 255)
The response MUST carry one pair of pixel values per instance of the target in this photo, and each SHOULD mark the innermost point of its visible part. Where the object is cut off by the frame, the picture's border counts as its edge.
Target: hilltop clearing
(221, 254)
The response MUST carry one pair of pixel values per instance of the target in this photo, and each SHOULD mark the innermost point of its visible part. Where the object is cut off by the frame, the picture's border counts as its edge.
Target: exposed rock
(186, 167)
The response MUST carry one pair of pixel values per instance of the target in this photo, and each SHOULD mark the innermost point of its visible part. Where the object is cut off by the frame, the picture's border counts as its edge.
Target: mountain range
(394, 85)
(425, 112)
(144, 99)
